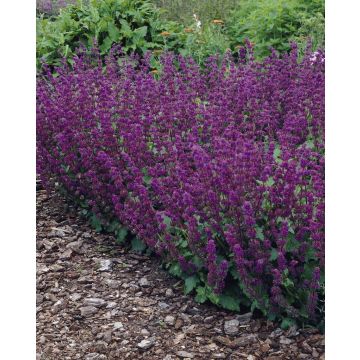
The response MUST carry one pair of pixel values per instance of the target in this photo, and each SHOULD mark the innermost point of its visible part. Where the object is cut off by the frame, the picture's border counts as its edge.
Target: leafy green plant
(275, 23)
(312, 25)
(135, 25)
(209, 40)
(184, 10)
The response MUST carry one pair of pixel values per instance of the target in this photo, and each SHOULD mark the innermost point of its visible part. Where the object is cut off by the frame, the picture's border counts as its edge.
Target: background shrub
(133, 24)
(140, 26)
(275, 23)
(182, 11)
(220, 171)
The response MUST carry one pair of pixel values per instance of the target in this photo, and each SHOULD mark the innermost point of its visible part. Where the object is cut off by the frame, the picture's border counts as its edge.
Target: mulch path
(97, 300)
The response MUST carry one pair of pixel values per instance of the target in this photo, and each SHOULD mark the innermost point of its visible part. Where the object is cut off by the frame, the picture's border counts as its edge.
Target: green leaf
(273, 254)
(106, 45)
(147, 179)
(214, 298)
(277, 153)
(137, 245)
(167, 221)
(270, 181)
(197, 261)
(271, 316)
(175, 270)
(125, 28)
(287, 323)
(121, 235)
(254, 305)
(235, 274)
(229, 302)
(288, 283)
(114, 32)
(291, 243)
(140, 32)
(113, 226)
(201, 294)
(96, 223)
(190, 283)
(259, 233)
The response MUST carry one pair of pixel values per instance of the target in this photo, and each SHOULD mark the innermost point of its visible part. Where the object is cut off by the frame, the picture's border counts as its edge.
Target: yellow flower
(218, 22)
(154, 71)
(165, 33)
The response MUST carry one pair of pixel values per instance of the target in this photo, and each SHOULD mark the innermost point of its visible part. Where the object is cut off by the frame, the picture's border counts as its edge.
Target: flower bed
(219, 171)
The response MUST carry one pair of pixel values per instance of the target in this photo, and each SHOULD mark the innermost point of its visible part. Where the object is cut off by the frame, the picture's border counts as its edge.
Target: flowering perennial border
(220, 171)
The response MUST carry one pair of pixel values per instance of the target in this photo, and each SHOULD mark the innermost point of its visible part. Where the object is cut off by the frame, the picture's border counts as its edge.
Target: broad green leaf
(197, 261)
(214, 298)
(175, 270)
(287, 323)
(273, 254)
(106, 45)
(254, 305)
(114, 32)
(121, 235)
(288, 283)
(137, 245)
(125, 28)
(270, 181)
(277, 153)
(259, 233)
(201, 295)
(140, 32)
(229, 302)
(190, 283)
(167, 221)
(96, 223)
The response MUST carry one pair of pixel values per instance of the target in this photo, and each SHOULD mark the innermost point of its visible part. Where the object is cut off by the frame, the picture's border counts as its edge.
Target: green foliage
(229, 302)
(275, 23)
(96, 223)
(190, 283)
(287, 323)
(135, 25)
(312, 25)
(137, 245)
(183, 10)
(210, 39)
(121, 234)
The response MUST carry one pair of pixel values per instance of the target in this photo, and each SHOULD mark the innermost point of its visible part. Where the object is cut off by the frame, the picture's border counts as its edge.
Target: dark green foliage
(135, 25)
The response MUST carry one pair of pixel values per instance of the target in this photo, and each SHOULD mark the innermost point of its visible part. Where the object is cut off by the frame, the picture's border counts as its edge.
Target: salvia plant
(218, 170)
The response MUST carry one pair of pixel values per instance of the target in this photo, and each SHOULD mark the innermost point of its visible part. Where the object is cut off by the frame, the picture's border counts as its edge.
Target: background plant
(51, 7)
(135, 25)
(182, 11)
(209, 39)
(219, 171)
(275, 23)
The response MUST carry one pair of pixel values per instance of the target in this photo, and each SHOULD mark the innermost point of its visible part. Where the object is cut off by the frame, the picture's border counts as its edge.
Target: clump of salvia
(220, 170)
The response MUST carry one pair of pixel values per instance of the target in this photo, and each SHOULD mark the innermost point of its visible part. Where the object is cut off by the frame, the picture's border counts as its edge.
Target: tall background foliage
(157, 25)
(134, 24)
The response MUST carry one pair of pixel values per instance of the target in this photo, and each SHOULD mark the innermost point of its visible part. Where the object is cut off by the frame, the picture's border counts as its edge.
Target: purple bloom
(230, 156)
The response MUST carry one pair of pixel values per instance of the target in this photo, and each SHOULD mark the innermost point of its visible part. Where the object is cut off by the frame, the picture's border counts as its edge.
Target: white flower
(197, 21)
(315, 55)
